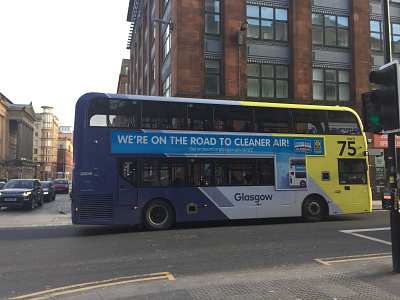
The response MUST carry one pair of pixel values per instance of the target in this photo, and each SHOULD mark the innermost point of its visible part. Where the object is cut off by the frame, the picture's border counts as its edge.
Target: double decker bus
(154, 161)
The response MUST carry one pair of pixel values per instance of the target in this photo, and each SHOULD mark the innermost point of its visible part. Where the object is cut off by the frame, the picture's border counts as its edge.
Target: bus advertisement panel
(172, 143)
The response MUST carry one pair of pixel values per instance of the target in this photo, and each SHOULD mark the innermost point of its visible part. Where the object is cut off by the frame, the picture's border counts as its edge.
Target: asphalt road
(35, 259)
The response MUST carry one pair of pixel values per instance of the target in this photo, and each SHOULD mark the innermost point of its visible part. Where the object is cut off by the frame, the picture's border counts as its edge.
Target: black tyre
(314, 209)
(158, 215)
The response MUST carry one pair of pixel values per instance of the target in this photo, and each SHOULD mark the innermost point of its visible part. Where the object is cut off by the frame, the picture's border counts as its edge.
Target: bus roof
(88, 96)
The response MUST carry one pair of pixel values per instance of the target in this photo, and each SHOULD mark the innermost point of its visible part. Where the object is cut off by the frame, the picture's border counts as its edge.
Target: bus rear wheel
(314, 209)
(158, 215)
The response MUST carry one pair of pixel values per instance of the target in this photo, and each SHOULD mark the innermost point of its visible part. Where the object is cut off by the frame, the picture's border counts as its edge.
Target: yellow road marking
(331, 260)
(95, 284)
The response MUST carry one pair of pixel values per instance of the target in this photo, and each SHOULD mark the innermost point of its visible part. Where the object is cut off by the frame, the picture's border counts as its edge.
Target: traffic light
(369, 110)
(381, 107)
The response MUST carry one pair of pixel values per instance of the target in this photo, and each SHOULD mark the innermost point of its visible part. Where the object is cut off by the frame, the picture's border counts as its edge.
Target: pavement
(53, 213)
(363, 277)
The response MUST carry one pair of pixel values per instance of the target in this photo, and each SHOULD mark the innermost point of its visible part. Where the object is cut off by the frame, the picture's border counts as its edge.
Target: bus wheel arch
(158, 214)
(314, 208)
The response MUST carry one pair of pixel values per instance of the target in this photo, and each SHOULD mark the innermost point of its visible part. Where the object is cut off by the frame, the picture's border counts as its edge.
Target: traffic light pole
(394, 211)
(392, 161)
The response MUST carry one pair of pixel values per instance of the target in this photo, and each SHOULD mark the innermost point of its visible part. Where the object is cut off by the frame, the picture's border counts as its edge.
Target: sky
(53, 51)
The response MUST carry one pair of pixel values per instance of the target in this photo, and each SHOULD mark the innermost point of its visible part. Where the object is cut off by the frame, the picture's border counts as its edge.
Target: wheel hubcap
(158, 215)
(313, 208)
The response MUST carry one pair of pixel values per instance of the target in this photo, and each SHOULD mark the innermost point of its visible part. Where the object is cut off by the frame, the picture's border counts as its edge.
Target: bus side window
(163, 115)
(163, 172)
(316, 121)
(199, 116)
(308, 121)
(352, 171)
(265, 171)
(200, 172)
(128, 170)
(269, 119)
(234, 172)
(300, 121)
(113, 113)
(98, 120)
(343, 122)
(232, 118)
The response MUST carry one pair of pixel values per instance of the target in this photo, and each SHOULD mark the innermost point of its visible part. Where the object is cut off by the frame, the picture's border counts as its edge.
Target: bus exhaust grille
(98, 207)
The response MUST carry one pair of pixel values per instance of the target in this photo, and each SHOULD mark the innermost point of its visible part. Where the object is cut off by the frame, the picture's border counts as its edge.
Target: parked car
(71, 194)
(2, 183)
(61, 185)
(22, 193)
(49, 191)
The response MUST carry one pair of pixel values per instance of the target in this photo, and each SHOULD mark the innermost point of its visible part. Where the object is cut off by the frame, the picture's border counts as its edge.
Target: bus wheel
(158, 215)
(314, 209)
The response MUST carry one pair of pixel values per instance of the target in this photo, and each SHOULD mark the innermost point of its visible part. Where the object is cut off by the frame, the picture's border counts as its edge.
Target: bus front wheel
(314, 209)
(158, 215)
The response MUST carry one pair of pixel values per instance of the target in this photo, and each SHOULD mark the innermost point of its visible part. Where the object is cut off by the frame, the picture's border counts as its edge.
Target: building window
(212, 16)
(166, 87)
(267, 81)
(330, 30)
(212, 80)
(267, 23)
(377, 36)
(166, 38)
(35, 143)
(36, 126)
(331, 84)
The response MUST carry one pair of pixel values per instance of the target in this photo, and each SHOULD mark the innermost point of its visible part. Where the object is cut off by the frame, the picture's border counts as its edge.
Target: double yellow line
(94, 285)
(332, 260)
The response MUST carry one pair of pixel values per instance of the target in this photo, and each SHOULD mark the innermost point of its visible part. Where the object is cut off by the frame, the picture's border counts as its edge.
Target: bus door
(353, 185)
(127, 181)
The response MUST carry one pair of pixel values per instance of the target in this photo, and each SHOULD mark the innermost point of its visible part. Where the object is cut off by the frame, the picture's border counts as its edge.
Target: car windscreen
(15, 184)
(45, 184)
(60, 182)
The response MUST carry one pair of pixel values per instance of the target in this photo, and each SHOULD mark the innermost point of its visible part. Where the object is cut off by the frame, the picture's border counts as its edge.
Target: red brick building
(309, 52)
(123, 77)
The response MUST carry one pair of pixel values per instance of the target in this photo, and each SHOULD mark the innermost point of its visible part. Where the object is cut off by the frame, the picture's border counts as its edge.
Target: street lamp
(243, 28)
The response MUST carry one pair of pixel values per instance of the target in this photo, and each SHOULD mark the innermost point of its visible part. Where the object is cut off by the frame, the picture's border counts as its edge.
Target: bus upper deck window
(343, 122)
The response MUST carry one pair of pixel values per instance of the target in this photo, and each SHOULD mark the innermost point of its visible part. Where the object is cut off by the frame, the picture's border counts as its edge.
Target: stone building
(123, 77)
(16, 139)
(64, 155)
(45, 144)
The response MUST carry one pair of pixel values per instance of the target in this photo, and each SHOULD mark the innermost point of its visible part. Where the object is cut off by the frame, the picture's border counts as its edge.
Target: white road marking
(355, 233)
